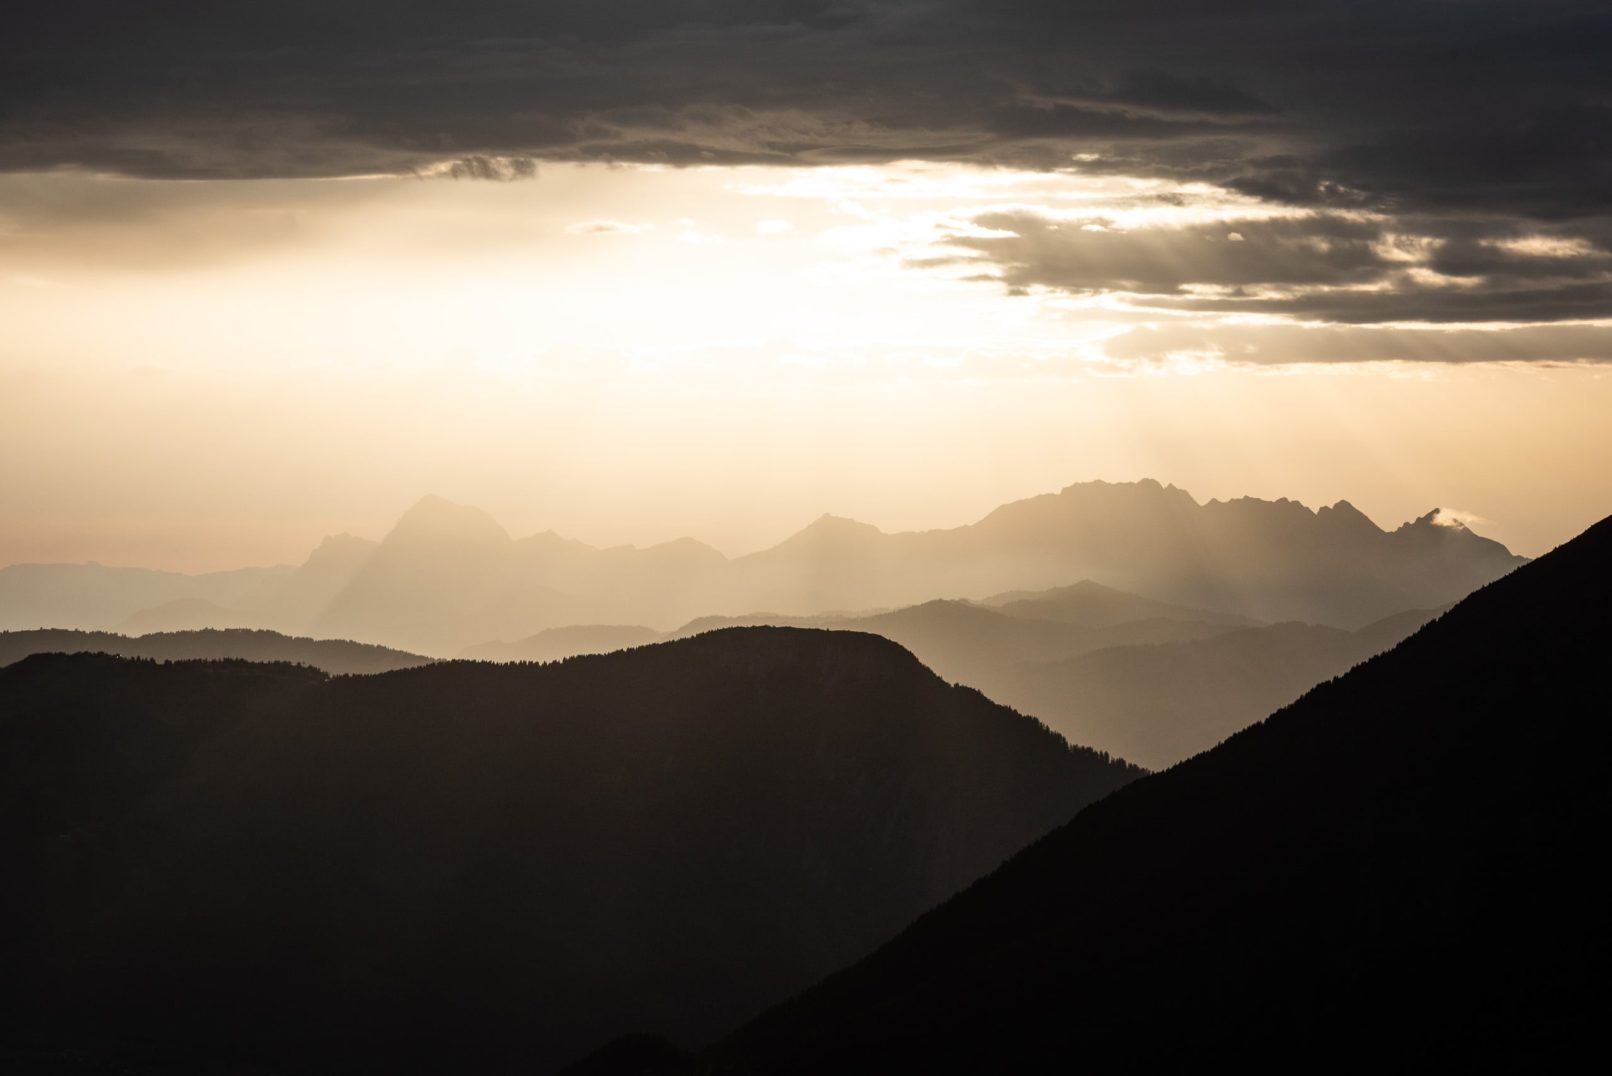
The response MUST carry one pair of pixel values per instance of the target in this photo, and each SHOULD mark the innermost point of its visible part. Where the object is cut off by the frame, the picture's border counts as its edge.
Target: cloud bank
(1454, 105)
(1446, 162)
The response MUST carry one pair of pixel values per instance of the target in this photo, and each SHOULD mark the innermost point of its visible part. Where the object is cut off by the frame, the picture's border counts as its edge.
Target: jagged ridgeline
(448, 577)
(477, 867)
(1399, 869)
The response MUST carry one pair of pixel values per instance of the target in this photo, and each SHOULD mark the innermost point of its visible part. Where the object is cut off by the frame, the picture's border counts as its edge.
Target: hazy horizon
(711, 269)
(377, 526)
(200, 374)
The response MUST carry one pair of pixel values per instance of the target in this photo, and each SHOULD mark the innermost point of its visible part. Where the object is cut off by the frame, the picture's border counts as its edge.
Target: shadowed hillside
(335, 656)
(1399, 869)
(485, 867)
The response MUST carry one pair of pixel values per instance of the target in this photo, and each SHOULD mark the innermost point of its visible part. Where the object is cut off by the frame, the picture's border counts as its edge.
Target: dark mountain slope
(334, 656)
(1399, 869)
(474, 867)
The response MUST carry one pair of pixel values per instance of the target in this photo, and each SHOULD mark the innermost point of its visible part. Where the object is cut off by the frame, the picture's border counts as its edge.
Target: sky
(631, 271)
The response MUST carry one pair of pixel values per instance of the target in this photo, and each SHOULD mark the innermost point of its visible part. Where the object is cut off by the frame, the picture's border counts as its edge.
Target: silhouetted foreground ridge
(474, 867)
(1400, 868)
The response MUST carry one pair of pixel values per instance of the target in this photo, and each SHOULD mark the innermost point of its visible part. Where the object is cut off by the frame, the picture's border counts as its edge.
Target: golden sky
(204, 374)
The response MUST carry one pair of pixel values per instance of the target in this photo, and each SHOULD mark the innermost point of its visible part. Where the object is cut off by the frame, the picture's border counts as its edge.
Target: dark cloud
(1320, 266)
(497, 169)
(1493, 105)
(1404, 299)
(1463, 121)
(1091, 255)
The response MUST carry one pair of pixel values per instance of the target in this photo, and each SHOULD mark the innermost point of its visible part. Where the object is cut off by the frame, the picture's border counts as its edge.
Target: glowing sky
(203, 374)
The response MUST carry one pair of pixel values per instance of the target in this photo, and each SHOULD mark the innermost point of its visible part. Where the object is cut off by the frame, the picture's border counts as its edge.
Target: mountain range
(447, 577)
(229, 866)
(1152, 690)
(1397, 870)
(1150, 682)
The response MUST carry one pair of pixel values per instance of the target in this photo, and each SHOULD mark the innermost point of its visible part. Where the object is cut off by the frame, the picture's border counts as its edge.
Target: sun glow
(630, 354)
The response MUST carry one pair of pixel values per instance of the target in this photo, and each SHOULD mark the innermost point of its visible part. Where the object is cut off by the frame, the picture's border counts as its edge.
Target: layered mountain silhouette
(1091, 605)
(98, 597)
(1397, 870)
(481, 867)
(556, 644)
(1269, 560)
(1153, 690)
(1159, 704)
(984, 647)
(188, 614)
(449, 577)
(338, 657)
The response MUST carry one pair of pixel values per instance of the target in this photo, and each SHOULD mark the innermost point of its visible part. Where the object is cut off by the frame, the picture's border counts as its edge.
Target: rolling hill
(981, 646)
(483, 867)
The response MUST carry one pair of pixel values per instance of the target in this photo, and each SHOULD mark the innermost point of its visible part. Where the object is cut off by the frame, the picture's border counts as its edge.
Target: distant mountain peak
(1434, 523)
(831, 526)
(438, 521)
(340, 549)
(1149, 485)
(829, 519)
(1345, 514)
(342, 541)
(686, 548)
(431, 503)
(554, 540)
